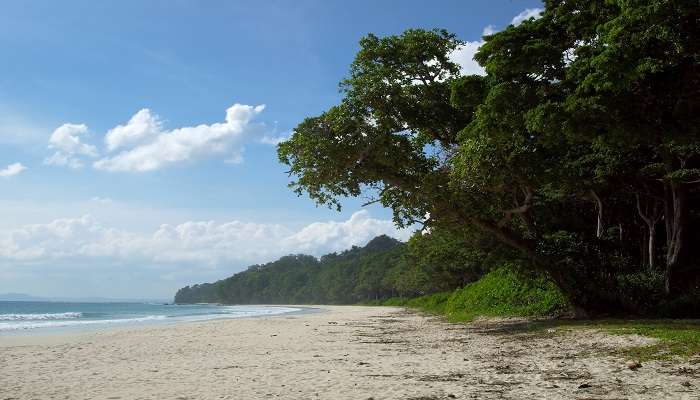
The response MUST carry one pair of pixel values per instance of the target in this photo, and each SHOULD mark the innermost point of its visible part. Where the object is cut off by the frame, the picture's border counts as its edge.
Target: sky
(137, 139)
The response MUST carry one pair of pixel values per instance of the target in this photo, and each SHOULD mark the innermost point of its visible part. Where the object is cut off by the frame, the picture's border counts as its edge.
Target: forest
(382, 269)
(576, 153)
(574, 157)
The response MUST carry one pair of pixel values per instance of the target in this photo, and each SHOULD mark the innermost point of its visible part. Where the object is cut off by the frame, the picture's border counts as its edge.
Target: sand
(341, 353)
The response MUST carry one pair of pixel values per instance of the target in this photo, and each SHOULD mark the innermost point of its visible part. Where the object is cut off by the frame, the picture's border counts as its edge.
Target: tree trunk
(643, 252)
(599, 206)
(651, 255)
(650, 214)
(676, 220)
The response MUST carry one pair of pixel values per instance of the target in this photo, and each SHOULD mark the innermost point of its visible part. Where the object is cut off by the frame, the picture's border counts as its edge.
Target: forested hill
(358, 274)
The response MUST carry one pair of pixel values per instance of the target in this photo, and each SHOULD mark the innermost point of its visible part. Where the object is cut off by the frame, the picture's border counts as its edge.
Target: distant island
(19, 297)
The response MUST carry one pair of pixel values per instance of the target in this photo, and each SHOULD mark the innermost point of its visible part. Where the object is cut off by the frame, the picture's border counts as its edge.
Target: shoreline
(97, 325)
(344, 352)
(71, 335)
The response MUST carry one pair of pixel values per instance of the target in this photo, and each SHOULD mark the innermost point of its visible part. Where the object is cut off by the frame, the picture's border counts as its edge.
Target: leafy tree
(583, 129)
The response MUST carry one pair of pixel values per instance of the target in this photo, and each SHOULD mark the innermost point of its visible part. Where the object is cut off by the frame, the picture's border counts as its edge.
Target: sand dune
(342, 353)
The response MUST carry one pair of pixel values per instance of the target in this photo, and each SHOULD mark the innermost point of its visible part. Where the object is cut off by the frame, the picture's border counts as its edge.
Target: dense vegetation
(502, 292)
(576, 156)
(382, 269)
(424, 273)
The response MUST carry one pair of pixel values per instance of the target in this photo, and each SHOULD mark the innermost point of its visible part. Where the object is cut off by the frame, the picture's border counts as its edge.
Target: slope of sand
(342, 353)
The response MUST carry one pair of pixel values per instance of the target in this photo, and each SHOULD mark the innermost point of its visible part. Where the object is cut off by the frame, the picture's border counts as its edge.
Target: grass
(676, 338)
(504, 292)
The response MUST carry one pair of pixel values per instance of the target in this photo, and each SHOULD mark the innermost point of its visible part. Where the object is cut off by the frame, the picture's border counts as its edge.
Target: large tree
(587, 119)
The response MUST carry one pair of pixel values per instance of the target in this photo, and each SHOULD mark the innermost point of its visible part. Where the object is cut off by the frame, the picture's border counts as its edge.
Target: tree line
(382, 269)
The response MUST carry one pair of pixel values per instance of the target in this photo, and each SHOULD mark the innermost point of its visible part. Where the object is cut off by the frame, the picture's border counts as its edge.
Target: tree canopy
(578, 150)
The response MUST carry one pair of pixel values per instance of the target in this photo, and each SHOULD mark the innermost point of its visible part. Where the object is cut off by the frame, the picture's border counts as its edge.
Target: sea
(40, 317)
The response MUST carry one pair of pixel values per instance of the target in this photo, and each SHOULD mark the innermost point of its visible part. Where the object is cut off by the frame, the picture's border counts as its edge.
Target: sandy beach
(340, 353)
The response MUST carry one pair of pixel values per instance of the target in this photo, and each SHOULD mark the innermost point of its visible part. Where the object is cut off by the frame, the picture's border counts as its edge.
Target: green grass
(676, 338)
(504, 292)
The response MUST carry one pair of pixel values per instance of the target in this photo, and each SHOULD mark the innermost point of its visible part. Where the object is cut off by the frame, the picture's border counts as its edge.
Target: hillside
(358, 274)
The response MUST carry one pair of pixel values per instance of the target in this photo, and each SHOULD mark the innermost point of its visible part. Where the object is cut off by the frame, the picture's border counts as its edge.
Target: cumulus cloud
(525, 15)
(328, 237)
(12, 170)
(141, 127)
(67, 143)
(464, 57)
(160, 148)
(142, 143)
(489, 30)
(193, 243)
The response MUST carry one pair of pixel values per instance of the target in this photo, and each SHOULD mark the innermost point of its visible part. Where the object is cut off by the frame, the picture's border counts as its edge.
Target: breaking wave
(39, 317)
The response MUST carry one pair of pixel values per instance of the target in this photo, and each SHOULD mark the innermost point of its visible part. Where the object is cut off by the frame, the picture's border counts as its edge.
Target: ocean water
(22, 317)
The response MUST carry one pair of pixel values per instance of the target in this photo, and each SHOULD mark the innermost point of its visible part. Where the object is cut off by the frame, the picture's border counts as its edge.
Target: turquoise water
(18, 317)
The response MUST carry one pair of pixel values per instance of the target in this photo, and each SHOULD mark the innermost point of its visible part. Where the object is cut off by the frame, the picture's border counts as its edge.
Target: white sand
(343, 353)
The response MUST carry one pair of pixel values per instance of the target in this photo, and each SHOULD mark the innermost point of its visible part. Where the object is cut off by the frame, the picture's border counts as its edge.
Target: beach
(342, 352)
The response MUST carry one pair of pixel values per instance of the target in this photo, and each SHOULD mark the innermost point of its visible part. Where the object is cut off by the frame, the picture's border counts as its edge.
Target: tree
(592, 104)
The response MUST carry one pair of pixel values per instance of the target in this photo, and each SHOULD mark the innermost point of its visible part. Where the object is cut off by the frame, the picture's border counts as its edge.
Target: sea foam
(22, 325)
(39, 317)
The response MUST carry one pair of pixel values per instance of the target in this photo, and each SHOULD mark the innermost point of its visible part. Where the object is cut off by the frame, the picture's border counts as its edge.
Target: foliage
(505, 291)
(578, 142)
(382, 269)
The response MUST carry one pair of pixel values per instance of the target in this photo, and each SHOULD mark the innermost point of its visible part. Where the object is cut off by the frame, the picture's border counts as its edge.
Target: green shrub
(502, 292)
(434, 303)
(506, 292)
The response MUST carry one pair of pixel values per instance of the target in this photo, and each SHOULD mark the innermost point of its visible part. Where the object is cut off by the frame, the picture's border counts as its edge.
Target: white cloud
(328, 237)
(60, 159)
(66, 140)
(160, 148)
(275, 140)
(12, 170)
(489, 30)
(464, 57)
(525, 15)
(142, 126)
(193, 243)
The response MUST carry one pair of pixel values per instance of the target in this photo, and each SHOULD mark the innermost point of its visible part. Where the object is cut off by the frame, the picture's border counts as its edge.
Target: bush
(506, 292)
(502, 292)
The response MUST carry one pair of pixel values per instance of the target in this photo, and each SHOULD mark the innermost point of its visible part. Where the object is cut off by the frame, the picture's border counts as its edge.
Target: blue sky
(94, 205)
